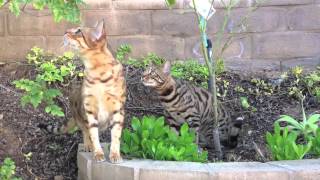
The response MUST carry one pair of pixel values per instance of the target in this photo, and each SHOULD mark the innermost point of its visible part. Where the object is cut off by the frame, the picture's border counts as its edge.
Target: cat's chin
(70, 43)
(149, 84)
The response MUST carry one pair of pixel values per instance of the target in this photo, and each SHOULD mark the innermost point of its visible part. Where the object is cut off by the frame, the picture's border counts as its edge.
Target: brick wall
(278, 35)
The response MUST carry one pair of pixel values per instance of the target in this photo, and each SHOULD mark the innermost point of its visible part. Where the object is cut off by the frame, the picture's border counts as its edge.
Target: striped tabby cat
(184, 102)
(100, 101)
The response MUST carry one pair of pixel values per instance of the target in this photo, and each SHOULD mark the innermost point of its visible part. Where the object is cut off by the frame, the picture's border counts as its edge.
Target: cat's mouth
(68, 42)
(148, 82)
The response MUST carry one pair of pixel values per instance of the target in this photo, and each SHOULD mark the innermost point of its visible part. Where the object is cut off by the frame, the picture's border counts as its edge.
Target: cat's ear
(99, 31)
(166, 67)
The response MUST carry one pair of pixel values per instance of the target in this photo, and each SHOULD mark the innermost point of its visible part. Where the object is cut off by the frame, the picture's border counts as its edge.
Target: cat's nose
(143, 78)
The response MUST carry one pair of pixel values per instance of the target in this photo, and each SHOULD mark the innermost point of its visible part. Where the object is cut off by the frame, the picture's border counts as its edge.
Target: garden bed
(42, 155)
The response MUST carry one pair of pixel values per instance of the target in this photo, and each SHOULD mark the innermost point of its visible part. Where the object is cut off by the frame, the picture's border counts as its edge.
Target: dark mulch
(54, 155)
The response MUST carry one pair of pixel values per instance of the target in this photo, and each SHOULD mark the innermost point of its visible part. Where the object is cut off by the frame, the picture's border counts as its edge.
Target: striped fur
(184, 102)
(99, 103)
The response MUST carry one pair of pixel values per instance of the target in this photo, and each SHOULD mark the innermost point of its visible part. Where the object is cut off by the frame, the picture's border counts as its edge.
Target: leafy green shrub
(312, 82)
(50, 70)
(301, 84)
(191, 70)
(122, 51)
(145, 61)
(219, 66)
(68, 10)
(151, 139)
(7, 170)
(315, 149)
(283, 145)
(305, 127)
(125, 49)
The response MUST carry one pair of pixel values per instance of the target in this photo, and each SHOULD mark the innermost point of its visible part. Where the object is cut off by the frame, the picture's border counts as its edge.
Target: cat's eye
(78, 31)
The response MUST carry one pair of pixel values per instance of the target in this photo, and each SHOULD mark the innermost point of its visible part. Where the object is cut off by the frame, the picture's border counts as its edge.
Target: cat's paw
(115, 158)
(87, 148)
(99, 156)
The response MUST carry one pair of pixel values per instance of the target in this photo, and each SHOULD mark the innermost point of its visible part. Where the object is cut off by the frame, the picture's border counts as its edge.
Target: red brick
(304, 18)
(120, 22)
(170, 48)
(252, 66)
(308, 64)
(144, 4)
(29, 25)
(240, 47)
(178, 23)
(285, 45)
(264, 19)
(284, 2)
(2, 23)
(240, 3)
(97, 4)
(16, 48)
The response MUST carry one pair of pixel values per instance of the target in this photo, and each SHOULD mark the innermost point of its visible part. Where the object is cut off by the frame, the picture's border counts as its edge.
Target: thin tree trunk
(212, 88)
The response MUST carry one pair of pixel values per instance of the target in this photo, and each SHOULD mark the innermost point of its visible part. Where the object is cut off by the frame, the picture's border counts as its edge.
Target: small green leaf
(135, 124)
(244, 102)
(14, 7)
(184, 129)
(38, 4)
(315, 118)
(170, 2)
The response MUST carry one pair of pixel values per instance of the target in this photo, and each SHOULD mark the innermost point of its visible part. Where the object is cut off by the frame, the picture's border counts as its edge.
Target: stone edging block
(137, 169)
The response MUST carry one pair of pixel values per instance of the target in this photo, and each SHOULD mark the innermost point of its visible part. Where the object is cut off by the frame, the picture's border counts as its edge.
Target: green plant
(283, 144)
(122, 51)
(68, 10)
(304, 84)
(7, 170)
(170, 2)
(219, 66)
(239, 89)
(262, 87)
(151, 139)
(143, 62)
(312, 82)
(246, 105)
(297, 71)
(315, 149)
(192, 71)
(223, 90)
(51, 71)
(308, 126)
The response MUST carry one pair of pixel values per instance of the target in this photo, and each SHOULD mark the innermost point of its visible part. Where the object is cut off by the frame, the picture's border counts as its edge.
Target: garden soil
(40, 155)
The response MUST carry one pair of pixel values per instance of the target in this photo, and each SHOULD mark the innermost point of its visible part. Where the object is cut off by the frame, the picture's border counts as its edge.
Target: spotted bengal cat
(184, 102)
(99, 103)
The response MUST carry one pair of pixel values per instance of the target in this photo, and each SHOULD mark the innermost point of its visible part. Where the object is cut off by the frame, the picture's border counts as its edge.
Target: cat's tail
(67, 127)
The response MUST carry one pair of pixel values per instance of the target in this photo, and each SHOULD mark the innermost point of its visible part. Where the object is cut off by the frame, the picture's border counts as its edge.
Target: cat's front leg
(98, 153)
(86, 141)
(117, 121)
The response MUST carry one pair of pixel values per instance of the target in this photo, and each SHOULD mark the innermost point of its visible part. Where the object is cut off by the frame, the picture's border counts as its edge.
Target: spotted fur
(99, 103)
(184, 102)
